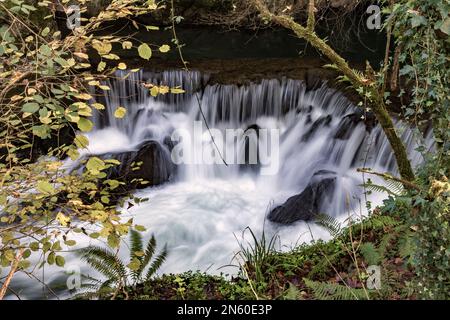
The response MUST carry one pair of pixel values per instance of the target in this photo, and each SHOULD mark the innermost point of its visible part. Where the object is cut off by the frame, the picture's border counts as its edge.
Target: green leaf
(45, 32)
(34, 246)
(30, 107)
(51, 258)
(70, 243)
(101, 66)
(140, 228)
(95, 165)
(94, 235)
(144, 51)
(104, 199)
(418, 20)
(81, 141)
(45, 187)
(134, 264)
(113, 241)
(60, 261)
(85, 125)
(445, 27)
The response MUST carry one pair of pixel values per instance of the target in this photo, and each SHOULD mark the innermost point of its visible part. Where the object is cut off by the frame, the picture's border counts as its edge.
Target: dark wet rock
(250, 133)
(314, 80)
(306, 205)
(321, 122)
(169, 143)
(155, 165)
(350, 121)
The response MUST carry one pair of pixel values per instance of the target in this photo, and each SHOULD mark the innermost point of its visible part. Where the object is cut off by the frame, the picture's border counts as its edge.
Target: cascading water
(201, 212)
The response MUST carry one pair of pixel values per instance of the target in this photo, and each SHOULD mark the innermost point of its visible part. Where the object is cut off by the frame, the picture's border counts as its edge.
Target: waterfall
(203, 207)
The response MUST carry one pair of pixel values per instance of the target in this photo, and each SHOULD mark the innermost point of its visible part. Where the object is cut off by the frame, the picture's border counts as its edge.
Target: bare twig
(12, 271)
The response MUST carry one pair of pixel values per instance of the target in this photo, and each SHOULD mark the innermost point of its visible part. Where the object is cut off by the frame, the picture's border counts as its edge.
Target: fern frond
(136, 246)
(333, 291)
(378, 188)
(135, 243)
(395, 186)
(329, 223)
(370, 253)
(149, 251)
(380, 221)
(384, 243)
(156, 264)
(104, 261)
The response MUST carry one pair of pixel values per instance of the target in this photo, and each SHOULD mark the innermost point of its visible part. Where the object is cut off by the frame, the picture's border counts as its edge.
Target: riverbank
(337, 269)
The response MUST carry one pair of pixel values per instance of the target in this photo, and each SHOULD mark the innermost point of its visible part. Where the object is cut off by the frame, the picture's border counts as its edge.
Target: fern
(156, 264)
(380, 221)
(406, 246)
(385, 242)
(329, 223)
(378, 188)
(104, 261)
(115, 271)
(333, 291)
(392, 187)
(395, 186)
(370, 253)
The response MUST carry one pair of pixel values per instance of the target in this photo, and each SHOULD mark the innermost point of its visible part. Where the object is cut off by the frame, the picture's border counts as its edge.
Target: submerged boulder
(306, 205)
(151, 162)
(350, 121)
(251, 151)
(321, 122)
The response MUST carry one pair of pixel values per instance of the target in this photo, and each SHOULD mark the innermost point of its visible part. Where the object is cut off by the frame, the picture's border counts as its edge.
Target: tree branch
(355, 78)
(11, 273)
(311, 16)
(386, 176)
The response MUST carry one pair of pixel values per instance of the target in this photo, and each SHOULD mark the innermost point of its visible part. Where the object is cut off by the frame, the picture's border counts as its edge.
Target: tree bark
(379, 108)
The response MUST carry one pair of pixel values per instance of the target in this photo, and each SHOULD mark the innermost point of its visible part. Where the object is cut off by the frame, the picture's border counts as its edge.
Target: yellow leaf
(101, 66)
(163, 89)
(122, 66)
(30, 91)
(127, 45)
(98, 106)
(102, 47)
(177, 90)
(164, 48)
(83, 96)
(81, 55)
(63, 220)
(120, 112)
(154, 91)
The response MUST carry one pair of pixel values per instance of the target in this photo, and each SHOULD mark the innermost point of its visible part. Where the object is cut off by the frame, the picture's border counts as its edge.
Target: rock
(251, 131)
(306, 205)
(156, 165)
(324, 121)
(313, 79)
(350, 121)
